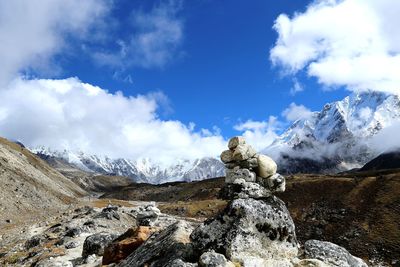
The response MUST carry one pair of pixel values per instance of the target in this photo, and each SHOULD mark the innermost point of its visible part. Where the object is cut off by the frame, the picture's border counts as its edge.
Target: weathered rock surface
(96, 243)
(275, 183)
(227, 156)
(213, 259)
(181, 263)
(236, 141)
(243, 152)
(238, 173)
(242, 189)
(250, 230)
(331, 254)
(266, 166)
(163, 248)
(125, 244)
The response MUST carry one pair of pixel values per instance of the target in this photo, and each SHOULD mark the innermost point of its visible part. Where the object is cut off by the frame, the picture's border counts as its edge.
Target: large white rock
(243, 152)
(266, 166)
(331, 254)
(250, 230)
(235, 141)
(227, 156)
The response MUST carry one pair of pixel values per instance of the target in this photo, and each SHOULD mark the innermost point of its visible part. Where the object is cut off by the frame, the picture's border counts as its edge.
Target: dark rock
(73, 232)
(96, 243)
(34, 241)
(71, 245)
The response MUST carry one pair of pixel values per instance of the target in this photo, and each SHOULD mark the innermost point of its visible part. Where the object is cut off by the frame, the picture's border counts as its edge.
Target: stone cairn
(249, 174)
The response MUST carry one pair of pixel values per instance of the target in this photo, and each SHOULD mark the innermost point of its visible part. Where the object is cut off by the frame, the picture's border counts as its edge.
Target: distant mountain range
(143, 170)
(331, 140)
(338, 137)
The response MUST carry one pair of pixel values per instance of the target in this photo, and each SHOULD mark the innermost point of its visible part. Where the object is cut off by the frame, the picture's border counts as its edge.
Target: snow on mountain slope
(141, 170)
(336, 138)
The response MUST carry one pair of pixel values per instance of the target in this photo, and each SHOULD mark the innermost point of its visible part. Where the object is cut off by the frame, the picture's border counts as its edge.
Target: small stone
(235, 141)
(266, 166)
(91, 259)
(243, 152)
(71, 245)
(73, 232)
(213, 259)
(227, 156)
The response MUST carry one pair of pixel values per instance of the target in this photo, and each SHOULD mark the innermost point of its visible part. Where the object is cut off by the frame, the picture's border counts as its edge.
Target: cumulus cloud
(154, 41)
(70, 114)
(33, 31)
(295, 112)
(351, 43)
(260, 134)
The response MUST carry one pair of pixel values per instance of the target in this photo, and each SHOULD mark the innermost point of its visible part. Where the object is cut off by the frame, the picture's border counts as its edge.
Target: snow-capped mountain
(338, 137)
(143, 170)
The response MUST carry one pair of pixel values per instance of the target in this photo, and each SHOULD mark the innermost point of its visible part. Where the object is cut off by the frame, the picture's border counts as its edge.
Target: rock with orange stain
(127, 243)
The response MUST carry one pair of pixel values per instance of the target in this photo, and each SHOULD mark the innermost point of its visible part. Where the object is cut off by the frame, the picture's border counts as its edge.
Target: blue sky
(171, 79)
(219, 74)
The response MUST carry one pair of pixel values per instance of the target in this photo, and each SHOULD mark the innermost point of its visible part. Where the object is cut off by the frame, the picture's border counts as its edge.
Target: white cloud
(295, 112)
(297, 87)
(69, 114)
(259, 134)
(352, 43)
(387, 139)
(154, 41)
(31, 32)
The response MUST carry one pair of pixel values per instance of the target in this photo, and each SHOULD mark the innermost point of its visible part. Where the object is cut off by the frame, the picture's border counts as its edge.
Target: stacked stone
(245, 167)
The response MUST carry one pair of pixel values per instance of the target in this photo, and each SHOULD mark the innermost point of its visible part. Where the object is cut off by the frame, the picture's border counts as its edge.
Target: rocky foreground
(255, 229)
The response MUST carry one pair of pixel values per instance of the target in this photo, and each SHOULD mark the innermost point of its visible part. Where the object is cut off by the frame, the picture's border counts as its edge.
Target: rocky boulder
(163, 248)
(125, 244)
(331, 254)
(250, 231)
(96, 243)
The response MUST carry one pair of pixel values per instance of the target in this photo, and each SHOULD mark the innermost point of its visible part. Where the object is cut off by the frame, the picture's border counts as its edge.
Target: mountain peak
(338, 128)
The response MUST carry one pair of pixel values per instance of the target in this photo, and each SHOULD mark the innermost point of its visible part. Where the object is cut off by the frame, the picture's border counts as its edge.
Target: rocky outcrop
(331, 254)
(163, 248)
(250, 231)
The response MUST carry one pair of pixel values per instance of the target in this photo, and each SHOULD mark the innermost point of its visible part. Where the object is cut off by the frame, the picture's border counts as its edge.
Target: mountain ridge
(141, 170)
(338, 137)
